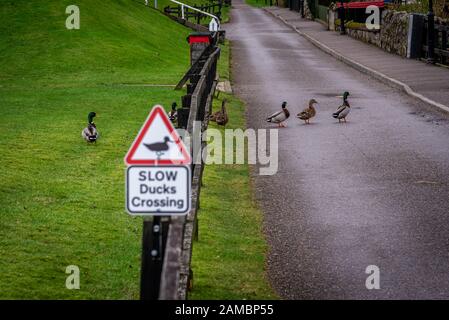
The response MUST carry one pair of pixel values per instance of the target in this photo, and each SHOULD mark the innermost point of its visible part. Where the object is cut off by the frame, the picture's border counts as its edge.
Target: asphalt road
(373, 191)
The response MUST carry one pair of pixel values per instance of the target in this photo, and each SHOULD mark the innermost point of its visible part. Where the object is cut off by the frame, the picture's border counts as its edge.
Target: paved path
(429, 80)
(373, 191)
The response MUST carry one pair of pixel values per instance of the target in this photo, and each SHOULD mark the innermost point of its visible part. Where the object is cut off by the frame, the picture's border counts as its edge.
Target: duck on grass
(90, 133)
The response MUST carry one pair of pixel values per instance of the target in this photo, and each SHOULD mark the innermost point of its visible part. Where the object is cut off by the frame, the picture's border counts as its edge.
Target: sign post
(158, 185)
(154, 238)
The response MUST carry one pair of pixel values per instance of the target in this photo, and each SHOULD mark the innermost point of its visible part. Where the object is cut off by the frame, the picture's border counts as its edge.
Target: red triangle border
(157, 109)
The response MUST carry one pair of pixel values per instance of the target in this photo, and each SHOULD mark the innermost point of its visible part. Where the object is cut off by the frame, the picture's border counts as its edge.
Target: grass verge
(62, 200)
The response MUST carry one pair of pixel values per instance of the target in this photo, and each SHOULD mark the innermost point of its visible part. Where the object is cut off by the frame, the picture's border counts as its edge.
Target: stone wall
(372, 37)
(394, 32)
(391, 37)
(307, 13)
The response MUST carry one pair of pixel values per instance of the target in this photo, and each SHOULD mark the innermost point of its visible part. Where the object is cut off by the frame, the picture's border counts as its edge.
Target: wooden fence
(176, 275)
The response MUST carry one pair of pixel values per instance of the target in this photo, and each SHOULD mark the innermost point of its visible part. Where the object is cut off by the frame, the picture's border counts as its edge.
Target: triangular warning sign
(157, 143)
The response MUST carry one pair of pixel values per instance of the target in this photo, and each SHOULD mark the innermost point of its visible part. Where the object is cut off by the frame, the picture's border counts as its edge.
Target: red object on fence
(361, 4)
(198, 39)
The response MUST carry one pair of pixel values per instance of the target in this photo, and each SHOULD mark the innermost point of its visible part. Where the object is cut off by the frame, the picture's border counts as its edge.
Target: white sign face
(158, 190)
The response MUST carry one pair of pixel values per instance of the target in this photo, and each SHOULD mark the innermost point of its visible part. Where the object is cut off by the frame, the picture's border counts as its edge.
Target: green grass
(259, 3)
(223, 67)
(62, 200)
(119, 42)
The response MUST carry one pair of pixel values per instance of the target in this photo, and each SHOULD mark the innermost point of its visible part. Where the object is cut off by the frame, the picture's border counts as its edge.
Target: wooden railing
(176, 275)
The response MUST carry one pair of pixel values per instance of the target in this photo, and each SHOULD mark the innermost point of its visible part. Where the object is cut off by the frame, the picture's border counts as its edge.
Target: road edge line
(362, 68)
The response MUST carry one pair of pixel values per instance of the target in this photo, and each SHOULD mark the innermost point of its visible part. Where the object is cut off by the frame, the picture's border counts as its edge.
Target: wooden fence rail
(176, 276)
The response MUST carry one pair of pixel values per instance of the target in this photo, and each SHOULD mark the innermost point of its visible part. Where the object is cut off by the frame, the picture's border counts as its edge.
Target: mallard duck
(308, 113)
(343, 110)
(173, 114)
(90, 133)
(221, 116)
(280, 116)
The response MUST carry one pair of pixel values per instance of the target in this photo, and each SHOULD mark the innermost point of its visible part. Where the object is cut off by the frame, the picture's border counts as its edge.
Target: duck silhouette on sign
(159, 147)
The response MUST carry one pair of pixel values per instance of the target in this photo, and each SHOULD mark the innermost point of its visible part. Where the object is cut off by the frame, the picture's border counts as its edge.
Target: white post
(196, 9)
(213, 25)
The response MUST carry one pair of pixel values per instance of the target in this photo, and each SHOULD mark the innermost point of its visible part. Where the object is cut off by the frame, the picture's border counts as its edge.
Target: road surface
(373, 191)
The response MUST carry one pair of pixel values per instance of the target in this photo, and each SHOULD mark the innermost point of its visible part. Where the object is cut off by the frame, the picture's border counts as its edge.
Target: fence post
(430, 34)
(198, 43)
(171, 268)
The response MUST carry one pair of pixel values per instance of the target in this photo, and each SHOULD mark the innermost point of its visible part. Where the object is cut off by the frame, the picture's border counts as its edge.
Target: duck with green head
(173, 114)
(280, 116)
(343, 110)
(90, 133)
